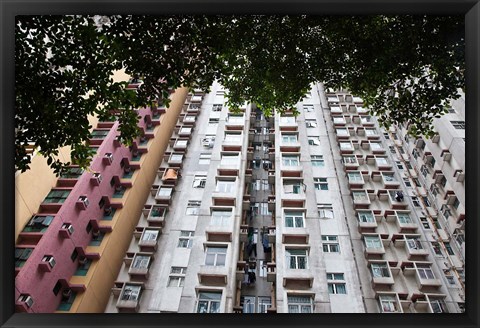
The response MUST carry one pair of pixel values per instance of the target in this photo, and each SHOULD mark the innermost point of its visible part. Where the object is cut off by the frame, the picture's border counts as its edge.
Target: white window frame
(330, 244)
(212, 305)
(291, 160)
(296, 258)
(300, 304)
(297, 218)
(199, 181)
(336, 283)
(216, 255)
(186, 239)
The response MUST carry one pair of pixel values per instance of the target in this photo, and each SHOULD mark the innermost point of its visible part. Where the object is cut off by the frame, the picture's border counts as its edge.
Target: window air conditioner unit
(108, 158)
(96, 179)
(208, 142)
(83, 202)
(27, 299)
(66, 231)
(50, 260)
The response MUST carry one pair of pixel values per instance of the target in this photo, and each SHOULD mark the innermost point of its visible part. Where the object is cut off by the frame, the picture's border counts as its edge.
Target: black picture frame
(11, 8)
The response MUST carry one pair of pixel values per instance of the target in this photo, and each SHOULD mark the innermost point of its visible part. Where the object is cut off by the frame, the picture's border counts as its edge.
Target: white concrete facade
(314, 215)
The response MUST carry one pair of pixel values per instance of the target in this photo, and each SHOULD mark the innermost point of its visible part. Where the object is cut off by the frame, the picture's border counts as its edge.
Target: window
(177, 277)
(248, 304)
(57, 287)
(293, 187)
(74, 255)
(317, 160)
(325, 211)
(199, 181)
(99, 134)
(360, 195)
(294, 219)
(336, 283)
(404, 218)
(308, 108)
(376, 146)
(346, 146)
(354, 177)
(413, 242)
(342, 132)
(438, 306)
(349, 160)
(399, 165)
(371, 132)
(208, 302)
(141, 262)
(97, 238)
(264, 303)
(443, 181)
(330, 244)
(131, 293)
(388, 303)
(381, 161)
(380, 270)
(415, 201)
(456, 203)
(21, 256)
(460, 125)
(426, 201)
(425, 271)
(296, 258)
(221, 218)
(225, 186)
(320, 183)
(193, 207)
(300, 304)
(424, 222)
(72, 173)
(204, 158)
(407, 182)
(437, 249)
(233, 137)
(56, 196)
(216, 256)
(289, 138)
(83, 267)
(185, 240)
(149, 235)
(314, 141)
(217, 107)
(372, 242)
(311, 123)
(448, 248)
(287, 119)
(290, 160)
(165, 191)
(230, 159)
(38, 223)
(366, 217)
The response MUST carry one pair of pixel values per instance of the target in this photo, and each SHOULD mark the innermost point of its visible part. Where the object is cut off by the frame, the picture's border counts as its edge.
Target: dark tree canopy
(406, 68)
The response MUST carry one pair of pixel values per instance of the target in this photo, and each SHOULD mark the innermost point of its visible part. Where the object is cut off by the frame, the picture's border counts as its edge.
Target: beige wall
(103, 273)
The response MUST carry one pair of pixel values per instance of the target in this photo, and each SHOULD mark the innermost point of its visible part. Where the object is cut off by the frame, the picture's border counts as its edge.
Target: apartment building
(70, 230)
(323, 212)
(214, 211)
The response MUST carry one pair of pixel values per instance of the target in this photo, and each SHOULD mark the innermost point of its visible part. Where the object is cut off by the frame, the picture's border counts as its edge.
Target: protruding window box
(367, 221)
(271, 235)
(240, 273)
(96, 179)
(164, 195)
(82, 203)
(381, 274)
(108, 159)
(235, 120)
(346, 147)
(414, 247)
(405, 222)
(336, 110)
(374, 248)
(397, 200)
(66, 230)
(298, 238)
(271, 272)
(355, 179)
(176, 160)
(300, 281)
(185, 131)
(339, 120)
(180, 145)
(24, 303)
(342, 133)
(360, 199)
(189, 120)
(129, 298)
(389, 181)
(216, 233)
(140, 265)
(157, 215)
(149, 239)
(210, 275)
(47, 264)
